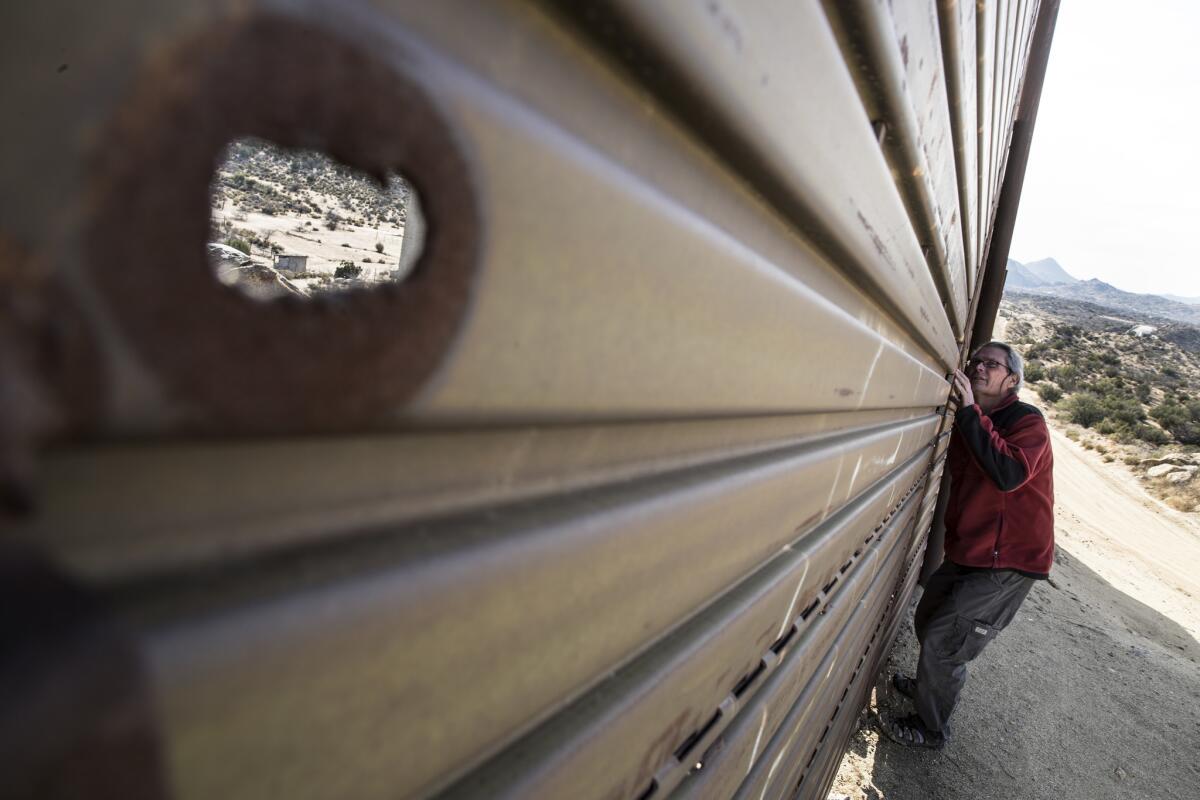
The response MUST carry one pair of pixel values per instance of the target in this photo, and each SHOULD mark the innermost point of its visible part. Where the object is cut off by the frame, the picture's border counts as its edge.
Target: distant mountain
(1048, 270)
(1191, 301)
(1104, 294)
(1019, 277)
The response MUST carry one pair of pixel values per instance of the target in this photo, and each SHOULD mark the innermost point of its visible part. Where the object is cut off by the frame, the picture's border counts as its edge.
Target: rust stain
(237, 365)
(51, 383)
(844, 392)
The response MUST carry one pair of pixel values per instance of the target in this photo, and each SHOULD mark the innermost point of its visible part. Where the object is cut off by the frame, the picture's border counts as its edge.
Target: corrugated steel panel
(956, 23)
(618, 495)
(903, 88)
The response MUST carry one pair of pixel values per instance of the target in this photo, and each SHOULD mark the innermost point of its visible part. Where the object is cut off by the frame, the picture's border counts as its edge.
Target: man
(999, 538)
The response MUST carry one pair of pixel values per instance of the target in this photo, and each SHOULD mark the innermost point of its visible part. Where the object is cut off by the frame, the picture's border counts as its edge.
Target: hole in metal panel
(649, 792)
(747, 679)
(290, 222)
(829, 585)
(806, 613)
(681, 753)
(782, 641)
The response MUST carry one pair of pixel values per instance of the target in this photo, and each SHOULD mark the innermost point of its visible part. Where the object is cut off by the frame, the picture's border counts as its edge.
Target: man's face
(989, 374)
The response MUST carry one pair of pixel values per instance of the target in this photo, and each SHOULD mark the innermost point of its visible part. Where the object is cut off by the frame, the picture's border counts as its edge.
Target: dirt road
(1094, 691)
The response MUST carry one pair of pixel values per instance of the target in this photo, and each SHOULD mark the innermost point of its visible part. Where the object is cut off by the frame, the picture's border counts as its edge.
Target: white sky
(1111, 189)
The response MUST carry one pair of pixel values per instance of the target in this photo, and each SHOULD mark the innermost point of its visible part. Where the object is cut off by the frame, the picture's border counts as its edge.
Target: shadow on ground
(1088, 694)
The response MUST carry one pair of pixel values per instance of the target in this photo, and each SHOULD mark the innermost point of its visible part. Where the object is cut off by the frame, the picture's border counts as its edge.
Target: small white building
(1142, 330)
(295, 264)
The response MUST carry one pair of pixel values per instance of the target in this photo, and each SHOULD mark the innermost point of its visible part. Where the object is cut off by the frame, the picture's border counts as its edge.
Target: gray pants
(959, 613)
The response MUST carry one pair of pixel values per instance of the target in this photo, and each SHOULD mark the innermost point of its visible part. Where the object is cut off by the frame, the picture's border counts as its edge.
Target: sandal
(910, 731)
(905, 685)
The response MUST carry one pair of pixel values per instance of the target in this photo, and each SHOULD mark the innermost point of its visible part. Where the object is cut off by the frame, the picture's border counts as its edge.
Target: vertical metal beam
(995, 268)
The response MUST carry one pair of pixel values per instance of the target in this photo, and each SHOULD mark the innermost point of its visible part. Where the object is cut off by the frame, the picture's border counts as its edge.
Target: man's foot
(910, 731)
(905, 685)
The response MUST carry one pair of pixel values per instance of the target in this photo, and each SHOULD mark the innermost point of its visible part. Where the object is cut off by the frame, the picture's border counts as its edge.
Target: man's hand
(962, 385)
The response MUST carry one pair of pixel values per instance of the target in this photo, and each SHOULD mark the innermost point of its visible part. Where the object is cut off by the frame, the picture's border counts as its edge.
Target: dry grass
(1179, 496)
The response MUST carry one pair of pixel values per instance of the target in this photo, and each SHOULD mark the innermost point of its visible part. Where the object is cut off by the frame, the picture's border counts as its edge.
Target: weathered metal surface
(956, 23)
(902, 85)
(739, 754)
(716, 662)
(754, 86)
(633, 472)
(624, 557)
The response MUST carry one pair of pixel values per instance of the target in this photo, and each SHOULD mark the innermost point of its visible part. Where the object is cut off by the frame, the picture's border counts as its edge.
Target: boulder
(1176, 459)
(1159, 470)
(1183, 476)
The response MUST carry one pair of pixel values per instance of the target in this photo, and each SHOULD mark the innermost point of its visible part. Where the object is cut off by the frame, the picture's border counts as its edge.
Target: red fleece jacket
(1000, 513)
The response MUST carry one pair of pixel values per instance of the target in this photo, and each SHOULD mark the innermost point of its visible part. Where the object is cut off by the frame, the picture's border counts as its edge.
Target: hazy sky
(1111, 189)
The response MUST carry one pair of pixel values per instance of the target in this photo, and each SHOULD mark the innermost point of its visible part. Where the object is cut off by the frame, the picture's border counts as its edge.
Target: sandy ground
(1094, 690)
(305, 235)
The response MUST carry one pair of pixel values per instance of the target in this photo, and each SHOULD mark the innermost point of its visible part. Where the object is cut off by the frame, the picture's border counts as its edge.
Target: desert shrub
(1151, 434)
(238, 243)
(1034, 371)
(1171, 414)
(1066, 376)
(1073, 434)
(1084, 409)
(1122, 409)
(1183, 421)
(1049, 392)
(1142, 392)
(379, 247)
(347, 269)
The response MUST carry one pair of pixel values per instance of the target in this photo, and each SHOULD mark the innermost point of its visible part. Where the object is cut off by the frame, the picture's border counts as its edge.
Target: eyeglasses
(988, 363)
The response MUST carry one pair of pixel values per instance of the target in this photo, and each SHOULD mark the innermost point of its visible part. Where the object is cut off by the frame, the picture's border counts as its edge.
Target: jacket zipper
(996, 544)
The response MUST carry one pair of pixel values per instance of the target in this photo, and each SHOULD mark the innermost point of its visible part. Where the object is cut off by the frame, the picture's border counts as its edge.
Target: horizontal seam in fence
(767, 663)
(900, 581)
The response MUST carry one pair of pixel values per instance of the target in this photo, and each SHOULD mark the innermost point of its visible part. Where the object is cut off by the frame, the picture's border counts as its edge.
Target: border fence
(621, 493)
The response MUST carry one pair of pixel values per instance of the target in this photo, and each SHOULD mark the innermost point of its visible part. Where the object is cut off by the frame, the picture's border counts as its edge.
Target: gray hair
(1016, 364)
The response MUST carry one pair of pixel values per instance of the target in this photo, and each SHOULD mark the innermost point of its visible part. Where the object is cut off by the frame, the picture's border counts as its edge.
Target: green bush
(1151, 434)
(1171, 414)
(347, 269)
(1122, 409)
(1183, 421)
(1084, 408)
(1066, 376)
(238, 244)
(1049, 392)
(1034, 371)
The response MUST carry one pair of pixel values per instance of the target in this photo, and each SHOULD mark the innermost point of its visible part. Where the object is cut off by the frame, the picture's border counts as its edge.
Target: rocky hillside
(258, 176)
(1047, 276)
(1126, 386)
